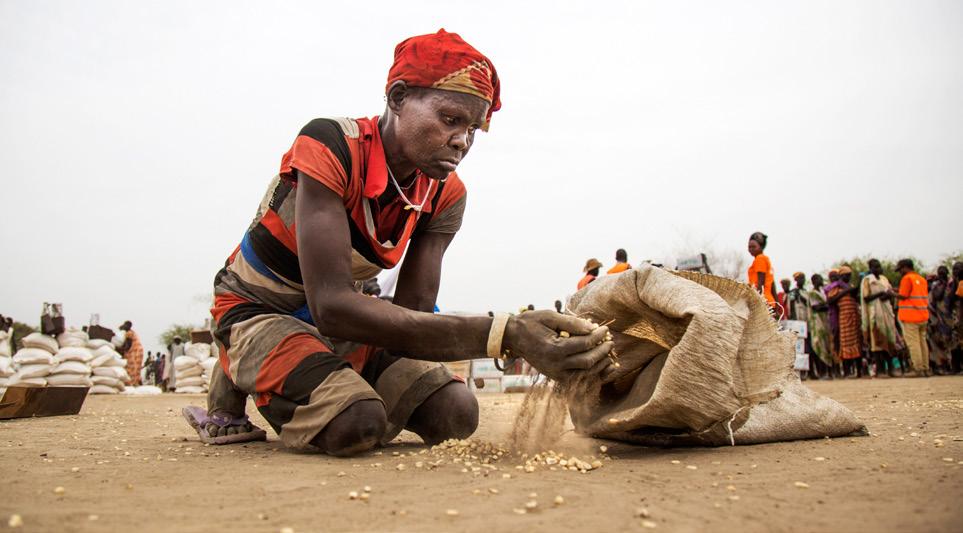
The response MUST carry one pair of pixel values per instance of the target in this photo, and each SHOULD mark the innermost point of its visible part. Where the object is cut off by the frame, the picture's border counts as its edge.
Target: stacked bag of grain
(6, 359)
(71, 363)
(189, 368)
(108, 367)
(34, 361)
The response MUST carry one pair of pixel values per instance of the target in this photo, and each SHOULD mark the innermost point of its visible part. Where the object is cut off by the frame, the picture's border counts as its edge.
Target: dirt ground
(134, 464)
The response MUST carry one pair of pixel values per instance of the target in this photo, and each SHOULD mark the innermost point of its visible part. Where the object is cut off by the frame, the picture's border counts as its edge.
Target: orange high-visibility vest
(915, 307)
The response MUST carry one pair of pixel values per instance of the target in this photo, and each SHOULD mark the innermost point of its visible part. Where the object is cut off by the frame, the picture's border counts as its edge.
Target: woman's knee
(355, 430)
(450, 413)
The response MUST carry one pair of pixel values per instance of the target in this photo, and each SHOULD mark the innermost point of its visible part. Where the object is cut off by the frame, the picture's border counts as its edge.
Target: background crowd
(879, 319)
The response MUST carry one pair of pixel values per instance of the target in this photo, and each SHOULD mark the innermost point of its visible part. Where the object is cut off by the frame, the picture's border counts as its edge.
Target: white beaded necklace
(409, 204)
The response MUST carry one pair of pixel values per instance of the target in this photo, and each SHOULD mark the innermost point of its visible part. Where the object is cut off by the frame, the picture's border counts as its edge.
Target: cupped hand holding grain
(535, 337)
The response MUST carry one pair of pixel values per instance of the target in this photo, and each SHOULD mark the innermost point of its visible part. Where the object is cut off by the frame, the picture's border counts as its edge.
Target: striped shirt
(346, 156)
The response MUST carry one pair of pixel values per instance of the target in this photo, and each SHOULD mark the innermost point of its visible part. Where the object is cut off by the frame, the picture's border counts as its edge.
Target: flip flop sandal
(198, 418)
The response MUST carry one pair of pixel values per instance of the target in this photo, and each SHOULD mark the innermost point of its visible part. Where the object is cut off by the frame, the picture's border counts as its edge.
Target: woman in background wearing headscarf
(133, 352)
(820, 332)
(760, 275)
(843, 296)
(879, 320)
(940, 328)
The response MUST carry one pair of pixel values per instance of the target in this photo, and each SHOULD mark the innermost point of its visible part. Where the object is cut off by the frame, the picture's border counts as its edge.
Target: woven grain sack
(103, 389)
(190, 390)
(702, 363)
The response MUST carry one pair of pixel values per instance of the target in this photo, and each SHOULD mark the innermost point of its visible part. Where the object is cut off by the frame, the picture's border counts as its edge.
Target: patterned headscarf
(445, 61)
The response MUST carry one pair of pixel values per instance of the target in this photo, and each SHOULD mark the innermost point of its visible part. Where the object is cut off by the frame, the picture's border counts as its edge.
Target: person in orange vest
(913, 315)
(591, 271)
(621, 262)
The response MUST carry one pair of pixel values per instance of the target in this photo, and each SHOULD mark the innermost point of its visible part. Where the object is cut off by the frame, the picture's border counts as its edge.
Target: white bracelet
(496, 334)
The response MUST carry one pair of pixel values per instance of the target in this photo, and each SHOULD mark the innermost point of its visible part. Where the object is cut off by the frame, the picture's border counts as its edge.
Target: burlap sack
(704, 364)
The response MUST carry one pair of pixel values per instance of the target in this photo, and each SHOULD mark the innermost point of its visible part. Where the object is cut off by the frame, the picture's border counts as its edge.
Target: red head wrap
(445, 61)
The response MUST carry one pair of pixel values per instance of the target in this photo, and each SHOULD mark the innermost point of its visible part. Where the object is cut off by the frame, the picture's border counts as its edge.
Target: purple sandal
(198, 418)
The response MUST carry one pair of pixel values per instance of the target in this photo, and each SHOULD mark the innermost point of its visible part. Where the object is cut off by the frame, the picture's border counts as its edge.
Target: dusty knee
(355, 430)
(451, 412)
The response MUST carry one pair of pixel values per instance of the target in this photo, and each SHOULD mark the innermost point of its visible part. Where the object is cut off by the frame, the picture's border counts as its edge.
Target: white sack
(17, 381)
(39, 340)
(74, 353)
(195, 381)
(68, 380)
(6, 366)
(73, 337)
(112, 371)
(94, 344)
(184, 362)
(199, 351)
(30, 356)
(108, 381)
(189, 372)
(102, 389)
(105, 349)
(190, 390)
(71, 367)
(33, 371)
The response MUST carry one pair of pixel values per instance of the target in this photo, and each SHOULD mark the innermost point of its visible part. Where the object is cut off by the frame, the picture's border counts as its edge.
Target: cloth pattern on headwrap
(445, 61)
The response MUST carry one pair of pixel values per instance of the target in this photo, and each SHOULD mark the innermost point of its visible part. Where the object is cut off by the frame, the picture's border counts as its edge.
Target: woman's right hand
(534, 336)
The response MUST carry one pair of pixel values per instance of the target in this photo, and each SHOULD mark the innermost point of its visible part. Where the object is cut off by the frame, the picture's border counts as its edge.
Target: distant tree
(176, 330)
(725, 262)
(951, 258)
(21, 330)
(860, 266)
(730, 264)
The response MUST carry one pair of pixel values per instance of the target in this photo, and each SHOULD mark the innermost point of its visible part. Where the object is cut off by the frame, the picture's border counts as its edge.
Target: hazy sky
(136, 139)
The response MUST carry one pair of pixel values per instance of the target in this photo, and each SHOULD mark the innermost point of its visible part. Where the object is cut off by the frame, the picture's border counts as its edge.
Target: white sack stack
(72, 365)
(109, 371)
(189, 370)
(34, 361)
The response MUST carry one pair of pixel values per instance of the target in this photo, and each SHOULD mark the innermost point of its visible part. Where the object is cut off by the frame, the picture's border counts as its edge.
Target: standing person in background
(159, 370)
(175, 350)
(820, 332)
(844, 297)
(954, 299)
(760, 275)
(833, 314)
(799, 309)
(621, 262)
(782, 300)
(591, 271)
(879, 321)
(133, 352)
(940, 326)
(558, 306)
(913, 315)
(147, 369)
